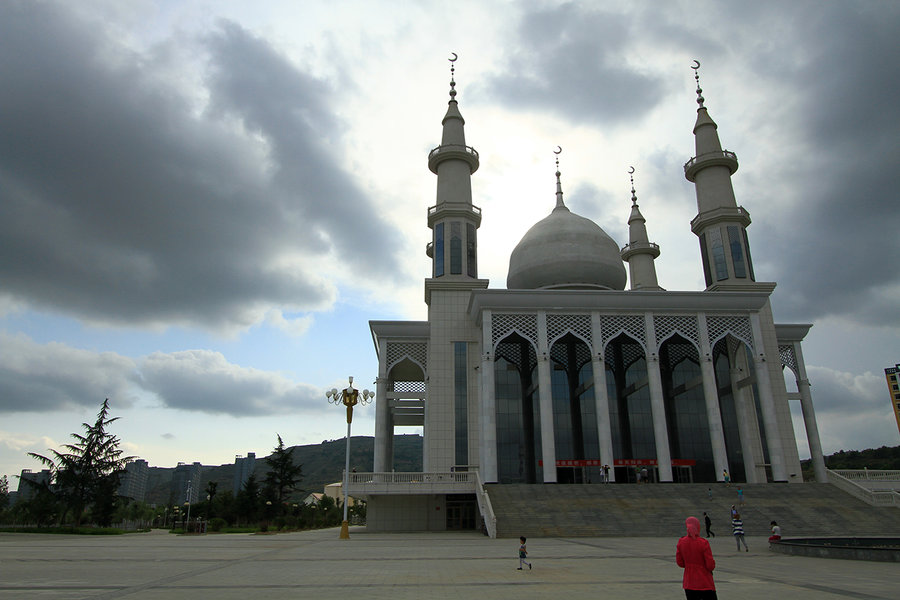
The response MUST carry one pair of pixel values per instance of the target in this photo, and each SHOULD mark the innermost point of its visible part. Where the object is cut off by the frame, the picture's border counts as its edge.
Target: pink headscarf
(693, 526)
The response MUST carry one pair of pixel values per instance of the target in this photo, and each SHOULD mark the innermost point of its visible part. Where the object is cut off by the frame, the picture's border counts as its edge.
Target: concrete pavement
(317, 564)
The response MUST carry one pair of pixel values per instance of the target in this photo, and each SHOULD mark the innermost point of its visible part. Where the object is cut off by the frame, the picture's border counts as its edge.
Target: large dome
(566, 251)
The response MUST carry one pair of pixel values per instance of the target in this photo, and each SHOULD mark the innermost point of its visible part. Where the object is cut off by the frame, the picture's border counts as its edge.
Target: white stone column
(383, 430)
(487, 455)
(767, 402)
(711, 395)
(601, 398)
(657, 404)
(745, 410)
(809, 417)
(545, 395)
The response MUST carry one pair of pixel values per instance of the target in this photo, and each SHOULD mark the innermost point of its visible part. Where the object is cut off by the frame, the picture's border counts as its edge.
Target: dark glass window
(518, 414)
(471, 251)
(455, 248)
(439, 250)
(461, 401)
(704, 256)
(749, 260)
(729, 412)
(737, 253)
(718, 254)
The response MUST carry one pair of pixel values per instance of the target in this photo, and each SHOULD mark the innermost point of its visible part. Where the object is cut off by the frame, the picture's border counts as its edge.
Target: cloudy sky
(203, 203)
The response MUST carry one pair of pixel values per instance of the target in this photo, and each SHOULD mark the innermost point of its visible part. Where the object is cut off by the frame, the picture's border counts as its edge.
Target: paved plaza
(317, 564)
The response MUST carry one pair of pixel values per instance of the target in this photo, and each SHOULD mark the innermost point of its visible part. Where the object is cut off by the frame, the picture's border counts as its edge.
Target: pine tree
(87, 472)
(283, 475)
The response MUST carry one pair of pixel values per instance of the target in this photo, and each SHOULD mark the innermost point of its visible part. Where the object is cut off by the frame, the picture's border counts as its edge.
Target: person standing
(523, 553)
(737, 530)
(693, 554)
(606, 473)
(726, 477)
(740, 491)
(708, 521)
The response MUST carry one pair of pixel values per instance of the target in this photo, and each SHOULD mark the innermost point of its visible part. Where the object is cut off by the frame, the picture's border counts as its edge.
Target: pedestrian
(708, 521)
(726, 477)
(733, 511)
(737, 530)
(606, 473)
(523, 553)
(645, 476)
(740, 496)
(776, 532)
(693, 554)
(709, 493)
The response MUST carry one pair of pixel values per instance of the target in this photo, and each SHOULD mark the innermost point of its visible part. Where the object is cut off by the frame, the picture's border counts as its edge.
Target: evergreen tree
(247, 501)
(283, 475)
(4, 492)
(87, 472)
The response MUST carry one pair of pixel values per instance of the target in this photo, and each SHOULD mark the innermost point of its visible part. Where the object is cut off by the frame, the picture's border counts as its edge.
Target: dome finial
(559, 193)
(633, 196)
(696, 68)
(452, 80)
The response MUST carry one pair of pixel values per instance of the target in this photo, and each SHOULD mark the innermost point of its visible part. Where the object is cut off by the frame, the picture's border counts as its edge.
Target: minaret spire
(453, 218)
(639, 253)
(559, 193)
(720, 223)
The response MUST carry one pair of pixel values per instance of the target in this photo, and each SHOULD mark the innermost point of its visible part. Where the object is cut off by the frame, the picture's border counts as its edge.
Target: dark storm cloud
(572, 63)
(120, 203)
(832, 243)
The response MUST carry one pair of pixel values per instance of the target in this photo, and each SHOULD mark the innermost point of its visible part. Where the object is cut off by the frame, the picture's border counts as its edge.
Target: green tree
(4, 492)
(210, 494)
(87, 472)
(283, 475)
(247, 501)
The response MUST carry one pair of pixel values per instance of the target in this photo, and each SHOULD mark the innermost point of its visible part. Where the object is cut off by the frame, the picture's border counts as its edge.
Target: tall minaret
(453, 220)
(640, 251)
(720, 223)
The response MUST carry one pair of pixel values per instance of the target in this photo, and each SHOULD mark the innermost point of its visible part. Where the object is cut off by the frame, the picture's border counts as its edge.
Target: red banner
(621, 462)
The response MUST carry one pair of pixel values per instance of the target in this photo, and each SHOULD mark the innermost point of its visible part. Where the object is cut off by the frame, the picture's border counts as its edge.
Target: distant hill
(884, 458)
(322, 464)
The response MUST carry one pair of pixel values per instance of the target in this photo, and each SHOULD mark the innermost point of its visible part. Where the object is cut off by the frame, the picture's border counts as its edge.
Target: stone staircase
(622, 510)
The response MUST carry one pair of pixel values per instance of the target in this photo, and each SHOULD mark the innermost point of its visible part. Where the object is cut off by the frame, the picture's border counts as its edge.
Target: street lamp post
(349, 397)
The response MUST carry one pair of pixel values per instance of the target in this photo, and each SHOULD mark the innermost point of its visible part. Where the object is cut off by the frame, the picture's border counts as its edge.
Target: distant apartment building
(186, 483)
(892, 374)
(243, 469)
(134, 481)
(26, 490)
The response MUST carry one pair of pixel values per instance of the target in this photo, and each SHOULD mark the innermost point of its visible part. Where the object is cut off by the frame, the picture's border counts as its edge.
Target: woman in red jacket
(694, 556)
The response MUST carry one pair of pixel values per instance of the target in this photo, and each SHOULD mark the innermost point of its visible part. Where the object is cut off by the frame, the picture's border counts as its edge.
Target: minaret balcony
(629, 250)
(724, 214)
(444, 152)
(719, 158)
(466, 212)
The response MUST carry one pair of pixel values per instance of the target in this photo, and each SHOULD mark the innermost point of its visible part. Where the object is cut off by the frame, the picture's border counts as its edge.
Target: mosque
(565, 376)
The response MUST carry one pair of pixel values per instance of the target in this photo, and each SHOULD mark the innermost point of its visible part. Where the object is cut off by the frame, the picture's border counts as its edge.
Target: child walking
(523, 553)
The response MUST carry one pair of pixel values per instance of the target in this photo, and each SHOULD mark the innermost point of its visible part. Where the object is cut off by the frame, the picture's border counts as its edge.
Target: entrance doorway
(462, 510)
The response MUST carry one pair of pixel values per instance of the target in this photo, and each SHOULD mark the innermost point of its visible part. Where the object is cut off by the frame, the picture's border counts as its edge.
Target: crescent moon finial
(696, 68)
(558, 150)
(696, 64)
(455, 56)
(631, 170)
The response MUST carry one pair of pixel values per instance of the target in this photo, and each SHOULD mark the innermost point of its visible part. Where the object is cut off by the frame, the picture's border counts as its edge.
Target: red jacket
(694, 556)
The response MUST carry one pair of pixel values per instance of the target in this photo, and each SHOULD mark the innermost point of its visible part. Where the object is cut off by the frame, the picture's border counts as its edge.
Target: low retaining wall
(881, 549)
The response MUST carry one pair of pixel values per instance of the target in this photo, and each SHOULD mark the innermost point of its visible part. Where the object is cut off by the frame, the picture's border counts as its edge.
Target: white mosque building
(565, 371)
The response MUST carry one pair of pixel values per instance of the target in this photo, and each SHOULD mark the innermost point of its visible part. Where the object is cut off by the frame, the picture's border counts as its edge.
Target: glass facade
(718, 254)
(461, 403)
(439, 250)
(704, 256)
(456, 245)
(518, 412)
(729, 413)
(737, 253)
(471, 251)
(686, 418)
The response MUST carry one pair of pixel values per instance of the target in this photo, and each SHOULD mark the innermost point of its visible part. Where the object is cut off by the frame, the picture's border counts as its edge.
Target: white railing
(363, 484)
(883, 498)
(484, 505)
(868, 474)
